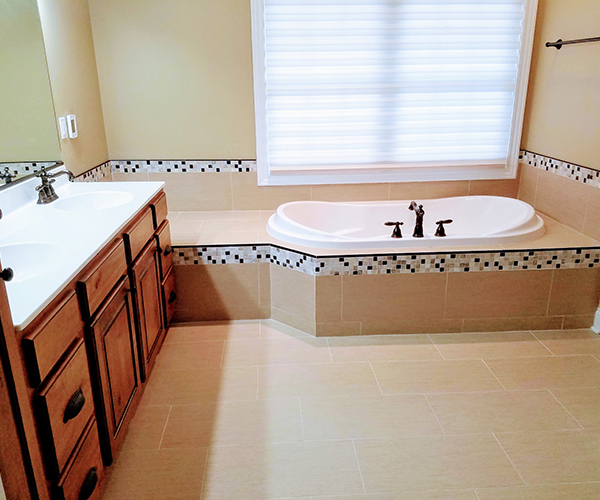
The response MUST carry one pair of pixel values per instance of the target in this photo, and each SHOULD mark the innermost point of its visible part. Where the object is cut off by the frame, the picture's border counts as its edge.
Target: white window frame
(405, 172)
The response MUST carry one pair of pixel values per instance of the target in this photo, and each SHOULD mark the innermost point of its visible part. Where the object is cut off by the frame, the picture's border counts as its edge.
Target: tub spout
(418, 209)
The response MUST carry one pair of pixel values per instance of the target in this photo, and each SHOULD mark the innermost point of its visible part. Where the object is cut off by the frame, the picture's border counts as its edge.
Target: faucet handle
(397, 233)
(441, 232)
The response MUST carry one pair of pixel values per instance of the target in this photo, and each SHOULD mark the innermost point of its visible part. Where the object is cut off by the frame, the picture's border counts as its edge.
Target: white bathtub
(477, 220)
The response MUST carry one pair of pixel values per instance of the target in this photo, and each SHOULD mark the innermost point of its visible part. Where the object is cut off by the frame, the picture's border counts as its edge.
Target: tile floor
(257, 411)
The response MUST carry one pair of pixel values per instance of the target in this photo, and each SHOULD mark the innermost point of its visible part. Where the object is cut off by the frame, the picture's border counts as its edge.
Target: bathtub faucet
(418, 209)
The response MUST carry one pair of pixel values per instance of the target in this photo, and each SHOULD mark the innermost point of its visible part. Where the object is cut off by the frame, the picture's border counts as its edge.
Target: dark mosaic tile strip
(390, 264)
(181, 166)
(575, 172)
(95, 174)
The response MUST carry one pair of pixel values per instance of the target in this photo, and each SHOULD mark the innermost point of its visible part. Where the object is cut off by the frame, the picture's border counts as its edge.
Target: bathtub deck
(247, 227)
(257, 411)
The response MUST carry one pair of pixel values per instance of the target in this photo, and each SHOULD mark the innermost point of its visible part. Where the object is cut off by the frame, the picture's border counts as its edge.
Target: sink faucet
(418, 209)
(46, 193)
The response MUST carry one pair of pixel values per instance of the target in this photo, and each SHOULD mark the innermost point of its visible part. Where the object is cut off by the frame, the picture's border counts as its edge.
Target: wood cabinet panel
(104, 273)
(137, 235)
(65, 405)
(165, 249)
(159, 209)
(146, 276)
(47, 340)
(81, 480)
(113, 343)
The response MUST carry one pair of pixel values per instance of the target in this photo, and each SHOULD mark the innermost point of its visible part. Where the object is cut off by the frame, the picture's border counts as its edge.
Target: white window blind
(355, 83)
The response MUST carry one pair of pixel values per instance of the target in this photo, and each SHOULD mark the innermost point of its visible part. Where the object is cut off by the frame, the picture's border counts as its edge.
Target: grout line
(359, 469)
(476, 494)
(301, 419)
(493, 374)
(536, 338)
(165, 427)
(375, 375)
(550, 293)
(562, 325)
(593, 356)
(565, 408)
(435, 345)
(329, 349)
(204, 473)
(434, 414)
(509, 459)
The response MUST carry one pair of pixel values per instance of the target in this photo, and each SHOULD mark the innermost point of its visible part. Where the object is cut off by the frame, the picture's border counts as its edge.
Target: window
(389, 90)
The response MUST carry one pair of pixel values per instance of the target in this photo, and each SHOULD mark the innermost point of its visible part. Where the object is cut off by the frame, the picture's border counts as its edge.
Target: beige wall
(176, 78)
(562, 117)
(72, 66)
(27, 126)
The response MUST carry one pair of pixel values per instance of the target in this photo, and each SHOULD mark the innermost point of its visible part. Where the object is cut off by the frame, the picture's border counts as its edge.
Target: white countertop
(47, 246)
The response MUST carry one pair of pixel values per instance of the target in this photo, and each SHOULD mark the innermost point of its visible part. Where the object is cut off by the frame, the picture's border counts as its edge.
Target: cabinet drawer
(164, 245)
(65, 404)
(137, 235)
(170, 296)
(51, 338)
(97, 284)
(159, 209)
(81, 480)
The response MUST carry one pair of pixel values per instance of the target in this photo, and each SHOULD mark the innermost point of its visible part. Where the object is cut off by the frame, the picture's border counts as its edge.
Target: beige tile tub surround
(363, 424)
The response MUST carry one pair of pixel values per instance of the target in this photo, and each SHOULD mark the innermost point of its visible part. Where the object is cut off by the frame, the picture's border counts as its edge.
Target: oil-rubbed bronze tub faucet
(440, 229)
(397, 233)
(46, 193)
(418, 209)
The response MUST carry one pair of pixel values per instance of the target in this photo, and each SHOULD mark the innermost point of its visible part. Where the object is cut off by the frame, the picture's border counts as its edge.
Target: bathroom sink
(30, 260)
(100, 200)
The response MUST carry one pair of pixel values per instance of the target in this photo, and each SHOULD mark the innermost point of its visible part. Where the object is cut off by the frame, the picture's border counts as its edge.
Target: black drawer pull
(89, 485)
(172, 297)
(168, 250)
(74, 406)
(7, 274)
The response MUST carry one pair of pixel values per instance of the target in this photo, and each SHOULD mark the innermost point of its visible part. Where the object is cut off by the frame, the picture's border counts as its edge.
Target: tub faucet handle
(440, 229)
(397, 233)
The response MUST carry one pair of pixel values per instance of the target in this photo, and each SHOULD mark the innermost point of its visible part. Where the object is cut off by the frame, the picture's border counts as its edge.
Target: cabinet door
(113, 350)
(149, 306)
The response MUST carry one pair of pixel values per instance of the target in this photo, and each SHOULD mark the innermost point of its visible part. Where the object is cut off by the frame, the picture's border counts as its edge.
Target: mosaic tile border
(26, 168)
(574, 172)
(182, 166)
(389, 264)
(96, 174)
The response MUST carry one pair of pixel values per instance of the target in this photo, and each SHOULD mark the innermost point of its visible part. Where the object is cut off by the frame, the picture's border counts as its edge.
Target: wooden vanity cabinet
(112, 344)
(145, 274)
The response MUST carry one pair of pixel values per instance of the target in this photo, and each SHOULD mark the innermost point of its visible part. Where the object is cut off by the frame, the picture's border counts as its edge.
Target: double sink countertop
(46, 246)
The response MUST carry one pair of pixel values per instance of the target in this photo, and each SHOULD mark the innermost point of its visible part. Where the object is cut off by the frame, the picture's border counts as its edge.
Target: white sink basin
(100, 200)
(30, 260)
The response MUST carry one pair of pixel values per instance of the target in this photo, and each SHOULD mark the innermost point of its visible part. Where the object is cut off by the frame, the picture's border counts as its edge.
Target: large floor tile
(554, 457)
(244, 422)
(547, 373)
(344, 379)
(147, 427)
(282, 470)
(430, 463)
(383, 348)
(562, 342)
(192, 356)
(275, 351)
(474, 413)
(219, 330)
(157, 475)
(411, 495)
(368, 417)
(589, 491)
(435, 376)
(172, 387)
(583, 404)
(489, 345)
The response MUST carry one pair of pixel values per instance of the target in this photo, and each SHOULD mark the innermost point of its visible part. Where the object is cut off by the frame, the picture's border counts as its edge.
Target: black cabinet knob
(172, 297)
(168, 250)
(7, 274)
(89, 485)
(74, 406)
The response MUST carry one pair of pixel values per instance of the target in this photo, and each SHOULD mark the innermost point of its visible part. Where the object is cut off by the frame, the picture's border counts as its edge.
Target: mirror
(28, 132)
